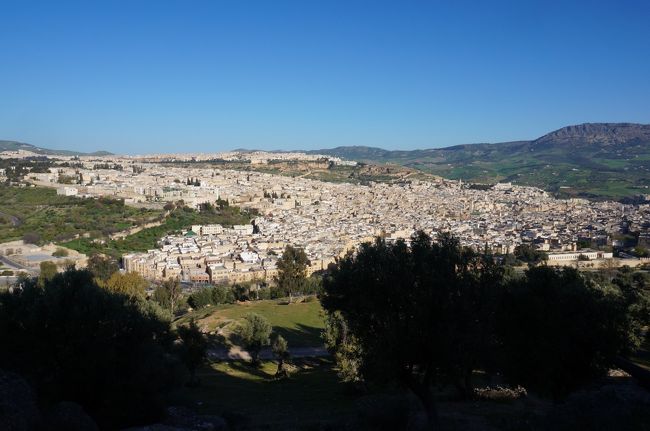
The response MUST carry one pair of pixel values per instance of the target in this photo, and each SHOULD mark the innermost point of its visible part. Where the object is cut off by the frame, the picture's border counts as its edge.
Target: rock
(157, 427)
(69, 416)
(185, 418)
(18, 410)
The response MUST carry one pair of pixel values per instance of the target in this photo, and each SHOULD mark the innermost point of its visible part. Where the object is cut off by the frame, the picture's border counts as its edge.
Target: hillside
(14, 146)
(601, 160)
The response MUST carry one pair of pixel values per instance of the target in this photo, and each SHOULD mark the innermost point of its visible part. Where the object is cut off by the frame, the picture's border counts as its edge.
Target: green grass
(300, 324)
(59, 218)
(642, 358)
(312, 394)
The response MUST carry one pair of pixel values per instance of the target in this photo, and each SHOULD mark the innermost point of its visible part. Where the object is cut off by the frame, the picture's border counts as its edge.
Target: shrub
(200, 298)
(60, 252)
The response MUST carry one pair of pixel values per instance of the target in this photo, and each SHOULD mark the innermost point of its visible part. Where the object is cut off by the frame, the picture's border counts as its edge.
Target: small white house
(67, 191)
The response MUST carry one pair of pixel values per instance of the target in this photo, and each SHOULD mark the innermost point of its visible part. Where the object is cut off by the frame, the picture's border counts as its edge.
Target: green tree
(222, 295)
(48, 271)
(130, 284)
(254, 333)
(280, 349)
(415, 315)
(559, 330)
(292, 271)
(102, 266)
(194, 348)
(529, 254)
(634, 288)
(201, 298)
(344, 346)
(167, 294)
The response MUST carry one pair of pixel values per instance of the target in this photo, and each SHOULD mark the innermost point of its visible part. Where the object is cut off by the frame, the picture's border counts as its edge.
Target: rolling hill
(14, 146)
(595, 160)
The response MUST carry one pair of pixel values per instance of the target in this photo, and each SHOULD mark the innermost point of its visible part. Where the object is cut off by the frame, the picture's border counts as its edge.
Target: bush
(60, 252)
(201, 298)
(31, 238)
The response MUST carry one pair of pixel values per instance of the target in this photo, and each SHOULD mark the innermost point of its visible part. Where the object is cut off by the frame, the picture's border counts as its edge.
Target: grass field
(300, 324)
(59, 218)
(312, 394)
(642, 357)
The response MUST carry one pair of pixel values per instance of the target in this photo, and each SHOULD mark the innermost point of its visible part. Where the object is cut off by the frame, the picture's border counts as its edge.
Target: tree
(559, 330)
(634, 287)
(527, 253)
(222, 295)
(48, 271)
(201, 298)
(167, 294)
(77, 342)
(194, 349)
(292, 270)
(102, 266)
(130, 284)
(254, 333)
(414, 315)
(344, 346)
(280, 349)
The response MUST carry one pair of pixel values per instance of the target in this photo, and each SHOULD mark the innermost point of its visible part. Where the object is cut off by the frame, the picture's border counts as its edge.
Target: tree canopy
(75, 341)
(292, 271)
(255, 332)
(432, 312)
(559, 330)
(420, 315)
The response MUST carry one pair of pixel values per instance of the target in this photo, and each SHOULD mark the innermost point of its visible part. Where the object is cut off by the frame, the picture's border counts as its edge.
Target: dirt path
(237, 353)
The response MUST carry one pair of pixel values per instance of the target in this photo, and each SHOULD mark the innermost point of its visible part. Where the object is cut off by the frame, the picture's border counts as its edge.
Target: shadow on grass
(302, 336)
(241, 393)
(249, 368)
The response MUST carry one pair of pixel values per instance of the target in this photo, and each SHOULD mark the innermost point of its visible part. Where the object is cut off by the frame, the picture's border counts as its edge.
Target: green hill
(14, 146)
(599, 160)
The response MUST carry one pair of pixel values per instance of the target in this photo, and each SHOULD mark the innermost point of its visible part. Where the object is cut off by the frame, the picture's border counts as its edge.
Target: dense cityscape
(328, 219)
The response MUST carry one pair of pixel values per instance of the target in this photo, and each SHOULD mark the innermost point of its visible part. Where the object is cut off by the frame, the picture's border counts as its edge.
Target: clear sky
(137, 76)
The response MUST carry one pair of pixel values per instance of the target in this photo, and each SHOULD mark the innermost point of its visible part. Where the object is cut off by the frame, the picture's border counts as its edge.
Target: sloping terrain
(14, 146)
(609, 160)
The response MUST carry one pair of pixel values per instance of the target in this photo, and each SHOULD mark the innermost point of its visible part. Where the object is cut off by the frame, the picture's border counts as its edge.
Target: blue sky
(137, 76)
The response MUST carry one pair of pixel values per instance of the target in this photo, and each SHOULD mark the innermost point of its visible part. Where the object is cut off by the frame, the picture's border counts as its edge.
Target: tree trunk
(281, 372)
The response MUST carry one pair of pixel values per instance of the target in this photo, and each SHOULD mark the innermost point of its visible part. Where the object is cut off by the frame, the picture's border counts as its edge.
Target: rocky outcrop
(183, 419)
(18, 409)
(68, 416)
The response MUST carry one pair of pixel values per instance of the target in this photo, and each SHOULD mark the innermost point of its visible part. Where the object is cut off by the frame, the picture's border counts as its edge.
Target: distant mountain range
(590, 160)
(14, 146)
